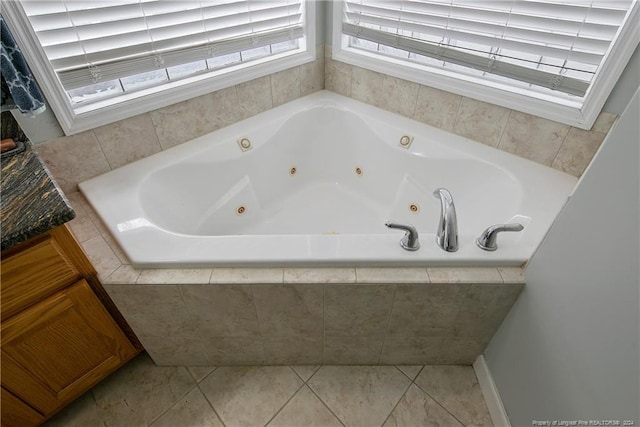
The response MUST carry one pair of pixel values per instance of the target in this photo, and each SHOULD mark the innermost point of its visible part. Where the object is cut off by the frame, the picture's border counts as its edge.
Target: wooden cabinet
(14, 412)
(57, 337)
(33, 274)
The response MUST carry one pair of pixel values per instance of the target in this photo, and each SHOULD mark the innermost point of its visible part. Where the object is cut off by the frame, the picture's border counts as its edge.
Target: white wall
(569, 348)
(625, 86)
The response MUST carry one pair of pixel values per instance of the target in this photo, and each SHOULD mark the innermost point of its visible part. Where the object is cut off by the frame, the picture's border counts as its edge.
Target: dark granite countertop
(30, 200)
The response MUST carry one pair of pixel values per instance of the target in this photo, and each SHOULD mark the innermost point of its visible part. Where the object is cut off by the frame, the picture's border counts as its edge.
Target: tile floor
(142, 394)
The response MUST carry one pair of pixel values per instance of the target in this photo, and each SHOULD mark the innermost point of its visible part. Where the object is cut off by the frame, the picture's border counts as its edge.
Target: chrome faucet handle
(488, 238)
(447, 232)
(410, 240)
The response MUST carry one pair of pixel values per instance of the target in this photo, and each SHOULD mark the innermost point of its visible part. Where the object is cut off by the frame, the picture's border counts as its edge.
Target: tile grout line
(298, 375)
(209, 402)
(398, 402)
(271, 91)
(303, 380)
(155, 130)
(564, 139)
(288, 400)
(260, 334)
(396, 366)
(95, 401)
(403, 373)
(418, 374)
(415, 106)
(101, 150)
(205, 377)
(299, 72)
(324, 332)
(455, 321)
(323, 402)
(415, 101)
(255, 308)
(435, 400)
(426, 270)
(386, 331)
(195, 385)
(458, 107)
(198, 332)
(455, 121)
(503, 131)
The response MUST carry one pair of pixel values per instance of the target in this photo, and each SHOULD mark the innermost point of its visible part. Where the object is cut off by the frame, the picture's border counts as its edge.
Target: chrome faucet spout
(410, 240)
(488, 238)
(447, 233)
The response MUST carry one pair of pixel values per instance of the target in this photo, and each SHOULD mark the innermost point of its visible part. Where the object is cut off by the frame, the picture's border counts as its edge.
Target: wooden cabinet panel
(58, 337)
(15, 413)
(55, 350)
(33, 274)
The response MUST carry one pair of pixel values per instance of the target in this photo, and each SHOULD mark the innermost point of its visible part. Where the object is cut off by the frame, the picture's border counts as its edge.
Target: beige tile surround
(301, 316)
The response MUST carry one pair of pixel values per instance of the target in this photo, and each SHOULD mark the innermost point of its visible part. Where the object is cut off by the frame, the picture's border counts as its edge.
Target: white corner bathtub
(323, 175)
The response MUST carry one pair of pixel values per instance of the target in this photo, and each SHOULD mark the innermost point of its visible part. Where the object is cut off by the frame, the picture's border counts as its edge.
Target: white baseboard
(490, 393)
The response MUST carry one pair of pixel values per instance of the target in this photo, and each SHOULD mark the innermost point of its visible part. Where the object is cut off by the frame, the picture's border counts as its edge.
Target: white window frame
(73, 120)
(579, 114)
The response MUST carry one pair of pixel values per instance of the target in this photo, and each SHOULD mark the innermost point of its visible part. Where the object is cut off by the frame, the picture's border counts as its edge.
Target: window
(554, 59)
(103, 60)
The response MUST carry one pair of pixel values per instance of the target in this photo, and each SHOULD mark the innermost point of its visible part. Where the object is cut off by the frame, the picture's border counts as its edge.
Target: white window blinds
(558, 45)
(88, 42)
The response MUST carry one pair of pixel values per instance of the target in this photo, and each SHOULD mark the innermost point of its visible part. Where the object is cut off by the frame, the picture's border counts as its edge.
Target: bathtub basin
(321, 176)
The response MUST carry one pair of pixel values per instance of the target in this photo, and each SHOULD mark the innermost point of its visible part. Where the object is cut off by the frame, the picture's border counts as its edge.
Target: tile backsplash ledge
(73, 159)
(543, 141)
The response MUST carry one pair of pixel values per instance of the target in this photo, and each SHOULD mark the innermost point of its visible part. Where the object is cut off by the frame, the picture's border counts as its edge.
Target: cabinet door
(16, 413)
(33, 274)
(57, 349)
